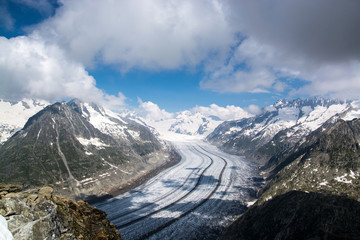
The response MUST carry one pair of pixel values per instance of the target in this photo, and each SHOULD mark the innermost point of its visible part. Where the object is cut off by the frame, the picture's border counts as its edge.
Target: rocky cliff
(38, 214)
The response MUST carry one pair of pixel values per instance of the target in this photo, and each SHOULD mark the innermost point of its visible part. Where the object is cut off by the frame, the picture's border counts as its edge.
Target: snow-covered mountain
(195, 123)
(80, 148)
(120, 128)
(14, 115)
(279, 126)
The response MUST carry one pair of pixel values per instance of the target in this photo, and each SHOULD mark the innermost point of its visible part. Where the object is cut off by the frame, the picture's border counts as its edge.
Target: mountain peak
(64, 148)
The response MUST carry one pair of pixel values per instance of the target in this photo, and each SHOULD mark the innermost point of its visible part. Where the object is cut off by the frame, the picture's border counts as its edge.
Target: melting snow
(233, 129)
(324, 183)
(92, 141)
(343, 179)
(248, 204)
(134, 134)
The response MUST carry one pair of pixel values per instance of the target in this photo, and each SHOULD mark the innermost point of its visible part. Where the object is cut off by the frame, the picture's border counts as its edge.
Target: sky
(179, 54)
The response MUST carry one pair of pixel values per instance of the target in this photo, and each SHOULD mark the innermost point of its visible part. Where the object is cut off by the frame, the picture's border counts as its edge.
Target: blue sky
(179, 54)
(172, 90)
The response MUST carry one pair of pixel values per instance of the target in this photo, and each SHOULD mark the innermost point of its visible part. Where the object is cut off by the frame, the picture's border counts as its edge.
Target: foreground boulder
(38, 214)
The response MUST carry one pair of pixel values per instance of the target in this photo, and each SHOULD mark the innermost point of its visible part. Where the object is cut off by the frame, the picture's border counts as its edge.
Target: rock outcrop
(38, 214)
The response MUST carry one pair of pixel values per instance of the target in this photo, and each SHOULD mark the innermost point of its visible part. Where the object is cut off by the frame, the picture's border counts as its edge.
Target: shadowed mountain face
(59, 146)
(325, 168)
(299, 215)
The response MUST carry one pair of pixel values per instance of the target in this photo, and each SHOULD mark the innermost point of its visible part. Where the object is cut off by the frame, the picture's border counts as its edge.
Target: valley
(190, 175)
(181, 120)
(195, 199)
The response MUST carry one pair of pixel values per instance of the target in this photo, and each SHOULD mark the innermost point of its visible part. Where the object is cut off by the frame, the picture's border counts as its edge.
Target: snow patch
(324, 183)
(5, 234)
(233, 129)
(249, 204)
(134, 134)
(92, 141)
(343, 179)
(13, 116)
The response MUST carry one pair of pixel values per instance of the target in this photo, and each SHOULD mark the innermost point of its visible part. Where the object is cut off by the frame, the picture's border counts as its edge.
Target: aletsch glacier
(202, 194)
(206, 190)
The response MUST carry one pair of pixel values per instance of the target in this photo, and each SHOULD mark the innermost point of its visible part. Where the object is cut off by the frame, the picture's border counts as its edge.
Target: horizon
(180, 55)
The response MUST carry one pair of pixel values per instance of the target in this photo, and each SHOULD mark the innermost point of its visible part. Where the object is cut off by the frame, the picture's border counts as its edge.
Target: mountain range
(308, 152)
(81, 149)
(313, 192)
(279, 127)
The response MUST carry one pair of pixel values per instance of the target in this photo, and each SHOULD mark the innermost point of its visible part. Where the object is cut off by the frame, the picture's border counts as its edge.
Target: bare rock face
(38, 214)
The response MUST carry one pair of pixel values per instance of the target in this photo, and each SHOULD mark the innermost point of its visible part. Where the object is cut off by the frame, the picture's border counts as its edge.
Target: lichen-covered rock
(37, 214)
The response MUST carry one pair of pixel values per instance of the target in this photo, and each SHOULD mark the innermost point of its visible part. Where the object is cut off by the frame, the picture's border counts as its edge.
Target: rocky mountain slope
(313, 192)
(14, 115)
(327, 162)
(279, 127)
(60, 146)
(123, 130)
(299, 215)
(38, 214)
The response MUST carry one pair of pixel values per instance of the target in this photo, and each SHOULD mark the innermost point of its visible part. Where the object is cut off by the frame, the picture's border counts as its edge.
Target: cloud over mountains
(241, 46)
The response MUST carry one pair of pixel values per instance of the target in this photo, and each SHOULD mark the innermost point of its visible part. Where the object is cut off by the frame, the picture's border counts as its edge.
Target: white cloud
(341, 80)
(253, 109)
(33, 69)
(229, 112)
(152, 112)
(265, 64)
(316, 41)
(146, 34)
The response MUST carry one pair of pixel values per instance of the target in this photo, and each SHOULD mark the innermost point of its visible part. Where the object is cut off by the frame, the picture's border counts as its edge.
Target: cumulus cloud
(152, 112)
(244, 46)
(146, 34)
(316, 41)
(253, 109)
(229, 112)
(264, 68)
(31, 68)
